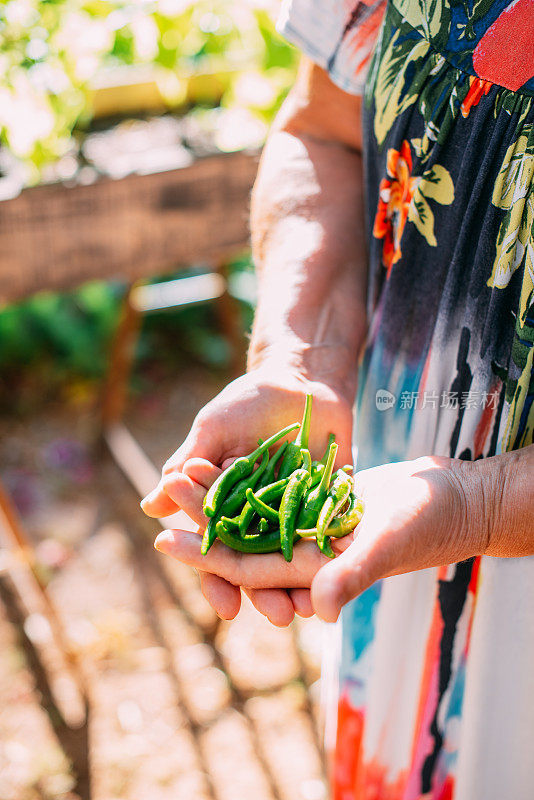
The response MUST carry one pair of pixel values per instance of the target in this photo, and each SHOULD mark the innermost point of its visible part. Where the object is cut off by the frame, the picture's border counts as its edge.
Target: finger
(173, 492)
(201, 471)
(158, 503)
(301, 599)
(344, 578)
(255, 571)
(199, 444)
(274, 604)
(223, 597)
(187, 495)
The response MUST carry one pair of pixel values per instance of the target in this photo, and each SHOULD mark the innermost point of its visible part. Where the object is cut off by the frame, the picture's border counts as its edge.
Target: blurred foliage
(52, 55)
(53, 51)
(61, 342)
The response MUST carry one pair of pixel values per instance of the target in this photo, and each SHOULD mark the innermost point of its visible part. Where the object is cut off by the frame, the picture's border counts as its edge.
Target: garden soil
(181, 706)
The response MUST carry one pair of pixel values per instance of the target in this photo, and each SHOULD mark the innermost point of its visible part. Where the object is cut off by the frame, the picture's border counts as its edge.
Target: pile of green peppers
(265, 504)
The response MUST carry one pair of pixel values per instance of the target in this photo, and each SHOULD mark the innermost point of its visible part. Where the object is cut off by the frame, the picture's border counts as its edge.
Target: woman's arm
(308, 236)
(309, 248)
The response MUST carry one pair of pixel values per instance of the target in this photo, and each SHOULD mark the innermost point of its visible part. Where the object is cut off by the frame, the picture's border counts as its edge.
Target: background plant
(52, 55)
(54, 51)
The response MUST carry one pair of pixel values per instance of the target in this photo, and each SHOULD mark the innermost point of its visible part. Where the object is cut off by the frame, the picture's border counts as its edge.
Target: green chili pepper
(241, 468)
(316, 473)
(268, 494)
(331, 440)
(269, 474)
(314, 500)
(232, 502)
(262, 508)
(318, 469)
(339, 526)
(318, 466)
(230, 523)
(258, 543)
(263, 526)
(209, 535)
(289, 509)
(327, 548)
(236, 498)
(337, 497)
(293, 455)
(306, 460)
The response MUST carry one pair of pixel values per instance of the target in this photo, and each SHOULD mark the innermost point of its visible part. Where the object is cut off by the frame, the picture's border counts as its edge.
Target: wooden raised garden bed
(56, 236)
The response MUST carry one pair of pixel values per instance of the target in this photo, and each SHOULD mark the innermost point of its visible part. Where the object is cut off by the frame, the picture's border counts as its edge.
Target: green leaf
(514, 192)
(431, 17)
(392, 96)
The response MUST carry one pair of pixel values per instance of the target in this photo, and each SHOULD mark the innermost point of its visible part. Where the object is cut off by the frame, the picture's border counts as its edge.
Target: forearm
(309, 250)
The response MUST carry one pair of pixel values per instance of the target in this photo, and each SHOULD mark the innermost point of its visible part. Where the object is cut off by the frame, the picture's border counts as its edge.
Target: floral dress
(430, 675)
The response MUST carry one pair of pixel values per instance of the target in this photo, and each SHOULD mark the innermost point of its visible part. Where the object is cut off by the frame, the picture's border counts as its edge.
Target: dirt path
(181, 705)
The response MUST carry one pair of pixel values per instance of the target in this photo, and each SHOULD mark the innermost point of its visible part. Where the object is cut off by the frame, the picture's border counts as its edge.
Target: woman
(436, 683)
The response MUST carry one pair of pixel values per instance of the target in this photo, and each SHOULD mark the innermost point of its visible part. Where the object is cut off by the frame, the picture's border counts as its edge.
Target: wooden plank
(57, 237)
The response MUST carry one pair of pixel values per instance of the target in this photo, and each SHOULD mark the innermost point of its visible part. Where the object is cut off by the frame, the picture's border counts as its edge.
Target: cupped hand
(418, 514)
(253, 406)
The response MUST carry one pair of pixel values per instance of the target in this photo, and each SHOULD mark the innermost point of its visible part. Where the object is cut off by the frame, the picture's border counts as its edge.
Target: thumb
(344, 578)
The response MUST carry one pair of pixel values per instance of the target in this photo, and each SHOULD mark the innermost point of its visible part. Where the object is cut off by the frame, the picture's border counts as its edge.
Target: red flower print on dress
(395, 196)
(505, 54)
(404, 198)
(477, 88)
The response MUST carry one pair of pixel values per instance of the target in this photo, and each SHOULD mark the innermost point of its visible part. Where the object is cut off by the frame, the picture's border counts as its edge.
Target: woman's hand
(418, 514)
(256, 404)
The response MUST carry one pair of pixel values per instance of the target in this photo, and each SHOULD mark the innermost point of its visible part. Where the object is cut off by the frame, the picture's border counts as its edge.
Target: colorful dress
(434, 670)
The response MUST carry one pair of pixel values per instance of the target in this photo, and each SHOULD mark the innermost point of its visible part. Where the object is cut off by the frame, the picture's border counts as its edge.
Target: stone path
(182, 706)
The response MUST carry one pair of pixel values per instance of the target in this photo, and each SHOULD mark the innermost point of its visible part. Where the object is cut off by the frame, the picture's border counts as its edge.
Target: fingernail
(164, 541)
(325, 596)
(150, 497)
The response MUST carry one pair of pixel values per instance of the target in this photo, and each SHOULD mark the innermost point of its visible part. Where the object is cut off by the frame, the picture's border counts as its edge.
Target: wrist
(318, 338)
(511, 533)
(481, 482)
(333, 364)
(498, 506)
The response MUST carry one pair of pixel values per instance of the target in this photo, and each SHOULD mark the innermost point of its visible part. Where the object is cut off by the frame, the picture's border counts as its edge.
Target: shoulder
(338, 35)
